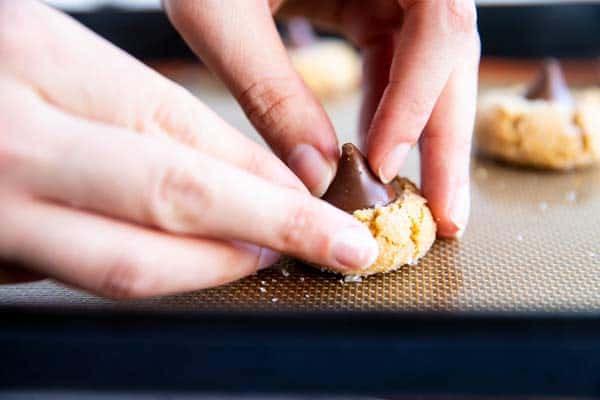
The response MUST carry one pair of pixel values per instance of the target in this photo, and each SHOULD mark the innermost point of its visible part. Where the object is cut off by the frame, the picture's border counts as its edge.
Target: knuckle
(419, 108)
(125, 279)
(175, 188)
(462, 15)
(254, 163)
(267, 99)
(173, 114)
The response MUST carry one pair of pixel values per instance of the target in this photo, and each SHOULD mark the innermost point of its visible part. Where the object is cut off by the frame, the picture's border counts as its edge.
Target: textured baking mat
(533, 245)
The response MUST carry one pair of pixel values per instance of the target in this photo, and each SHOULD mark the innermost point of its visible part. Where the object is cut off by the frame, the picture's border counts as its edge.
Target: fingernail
(355, 248)
(392, 162)
(311, 167)
(459, 213)
(267, 258)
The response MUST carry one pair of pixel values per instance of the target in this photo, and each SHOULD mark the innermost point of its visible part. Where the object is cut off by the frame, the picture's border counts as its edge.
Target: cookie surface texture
(330, 68)
(539, 133)
(404, 229)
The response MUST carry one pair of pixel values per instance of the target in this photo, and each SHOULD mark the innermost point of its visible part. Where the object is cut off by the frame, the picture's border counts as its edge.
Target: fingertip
(449, 230)
(392, 162)
(354, 249)
(451, 212)
(267, 258)
(460, 209)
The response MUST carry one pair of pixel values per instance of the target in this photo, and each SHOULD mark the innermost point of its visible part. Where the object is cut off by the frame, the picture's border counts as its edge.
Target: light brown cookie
(328, 67)
(403, 229)
(539, 133)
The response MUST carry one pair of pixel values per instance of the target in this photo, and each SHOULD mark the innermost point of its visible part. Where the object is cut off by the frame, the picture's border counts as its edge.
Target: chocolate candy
(355, 187)
(550, 84)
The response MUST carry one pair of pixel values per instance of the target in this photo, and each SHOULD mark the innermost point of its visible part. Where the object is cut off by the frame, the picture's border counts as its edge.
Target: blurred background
(510, 28)
(515, 34)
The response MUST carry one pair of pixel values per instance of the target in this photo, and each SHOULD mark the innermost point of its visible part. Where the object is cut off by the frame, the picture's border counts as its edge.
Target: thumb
(238, 40)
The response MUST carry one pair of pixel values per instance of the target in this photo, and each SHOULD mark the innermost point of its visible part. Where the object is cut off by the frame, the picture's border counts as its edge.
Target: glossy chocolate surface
(355, 187)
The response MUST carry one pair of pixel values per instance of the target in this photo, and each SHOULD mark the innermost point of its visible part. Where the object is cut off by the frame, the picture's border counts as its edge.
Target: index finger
(166, 185)
(238, 40)
(426, 54)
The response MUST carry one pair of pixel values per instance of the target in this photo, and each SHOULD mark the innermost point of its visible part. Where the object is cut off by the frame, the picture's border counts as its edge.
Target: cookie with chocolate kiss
(545, 126)
(396, 213)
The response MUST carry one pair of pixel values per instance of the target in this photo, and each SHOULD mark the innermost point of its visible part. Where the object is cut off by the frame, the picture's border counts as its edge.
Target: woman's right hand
(118, 181)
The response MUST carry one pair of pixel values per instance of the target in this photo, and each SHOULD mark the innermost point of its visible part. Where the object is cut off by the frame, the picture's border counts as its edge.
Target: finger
(59, 58)
(238, 40)
(167, 185)
(377, 58)
(446, 147)
(427, 48)
(115, 259)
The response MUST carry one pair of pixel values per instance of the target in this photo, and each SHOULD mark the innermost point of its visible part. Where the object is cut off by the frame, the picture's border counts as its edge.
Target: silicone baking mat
(533, 245)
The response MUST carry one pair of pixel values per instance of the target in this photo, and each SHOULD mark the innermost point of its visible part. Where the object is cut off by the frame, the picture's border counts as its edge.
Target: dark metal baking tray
(568, 29)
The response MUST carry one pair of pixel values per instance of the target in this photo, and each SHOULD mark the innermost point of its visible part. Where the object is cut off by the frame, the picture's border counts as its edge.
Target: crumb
(352, 279)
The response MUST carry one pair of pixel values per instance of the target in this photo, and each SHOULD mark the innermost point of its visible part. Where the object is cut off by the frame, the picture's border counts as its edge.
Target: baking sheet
(533, 246)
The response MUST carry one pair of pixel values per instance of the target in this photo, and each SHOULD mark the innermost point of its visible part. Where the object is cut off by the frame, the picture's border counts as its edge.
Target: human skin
(115, 180)
(420, 82)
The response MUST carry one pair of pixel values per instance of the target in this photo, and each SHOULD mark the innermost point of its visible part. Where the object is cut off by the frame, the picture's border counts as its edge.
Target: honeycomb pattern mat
(533, 245)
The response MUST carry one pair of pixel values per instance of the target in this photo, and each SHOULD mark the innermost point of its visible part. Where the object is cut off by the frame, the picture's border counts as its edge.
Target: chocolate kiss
(550, 84)
(355, 187)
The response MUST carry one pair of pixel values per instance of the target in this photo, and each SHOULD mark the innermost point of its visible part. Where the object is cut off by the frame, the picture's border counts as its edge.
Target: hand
(118, 181)
(420, 79)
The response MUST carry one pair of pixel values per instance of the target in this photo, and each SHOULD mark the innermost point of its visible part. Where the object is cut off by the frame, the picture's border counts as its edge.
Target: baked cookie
(328, 67)
(546, 126)
(396, 214)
